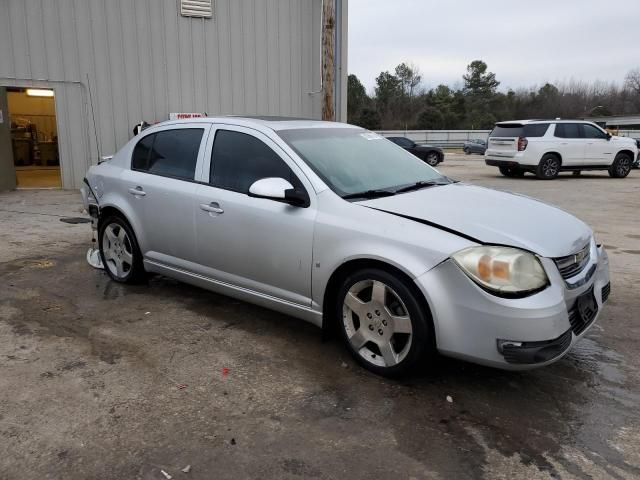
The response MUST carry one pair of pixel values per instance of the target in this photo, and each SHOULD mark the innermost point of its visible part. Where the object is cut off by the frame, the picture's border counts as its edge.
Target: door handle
(138, 191)
(213, 207)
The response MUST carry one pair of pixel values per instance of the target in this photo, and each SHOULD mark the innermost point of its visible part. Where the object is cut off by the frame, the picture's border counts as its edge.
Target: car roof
(272, 122)
(537, 120)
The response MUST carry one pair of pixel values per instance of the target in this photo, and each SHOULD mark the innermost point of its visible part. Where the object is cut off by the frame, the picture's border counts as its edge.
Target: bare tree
(632, 80)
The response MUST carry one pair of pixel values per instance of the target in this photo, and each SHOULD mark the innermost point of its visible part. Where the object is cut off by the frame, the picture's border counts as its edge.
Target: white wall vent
(196, 8)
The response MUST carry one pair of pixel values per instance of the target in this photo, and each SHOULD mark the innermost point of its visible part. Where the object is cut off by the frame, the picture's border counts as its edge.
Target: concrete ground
(106, 381)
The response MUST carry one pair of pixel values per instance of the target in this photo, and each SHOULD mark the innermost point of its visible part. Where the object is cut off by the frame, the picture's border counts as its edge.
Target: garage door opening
(34, 137)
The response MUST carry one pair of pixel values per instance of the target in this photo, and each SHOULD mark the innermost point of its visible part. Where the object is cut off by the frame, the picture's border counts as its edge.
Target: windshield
(354, 160)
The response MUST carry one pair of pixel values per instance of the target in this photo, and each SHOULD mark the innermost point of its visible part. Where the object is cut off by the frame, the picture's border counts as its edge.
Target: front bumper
(515, 334)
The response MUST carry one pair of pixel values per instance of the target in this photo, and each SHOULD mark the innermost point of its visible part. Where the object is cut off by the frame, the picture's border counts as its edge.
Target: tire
(119, 251)
(432, 158)
(511, 171)
(383, 323)
(621, 166)
(549, 167)
(467, 151)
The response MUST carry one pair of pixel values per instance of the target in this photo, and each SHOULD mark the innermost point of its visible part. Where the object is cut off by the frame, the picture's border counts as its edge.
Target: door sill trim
(306, 313)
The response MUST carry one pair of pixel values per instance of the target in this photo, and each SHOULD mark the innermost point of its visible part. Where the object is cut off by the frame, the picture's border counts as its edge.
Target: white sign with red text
(182, 116)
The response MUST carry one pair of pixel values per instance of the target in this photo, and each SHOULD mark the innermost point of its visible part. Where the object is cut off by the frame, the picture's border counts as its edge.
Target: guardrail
(440, 138)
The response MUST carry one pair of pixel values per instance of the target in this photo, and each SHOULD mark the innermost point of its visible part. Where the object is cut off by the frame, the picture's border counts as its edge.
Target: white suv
(546, 147)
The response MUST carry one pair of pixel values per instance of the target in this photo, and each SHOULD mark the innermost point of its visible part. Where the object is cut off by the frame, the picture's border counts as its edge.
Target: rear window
(518, 130)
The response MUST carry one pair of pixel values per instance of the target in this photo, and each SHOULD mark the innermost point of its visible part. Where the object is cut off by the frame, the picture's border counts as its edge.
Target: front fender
(361, 233)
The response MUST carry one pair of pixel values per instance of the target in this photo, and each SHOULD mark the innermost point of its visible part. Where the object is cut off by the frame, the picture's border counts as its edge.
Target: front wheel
(621, 166)
(467, 151)
(382, 322)
(432, 159)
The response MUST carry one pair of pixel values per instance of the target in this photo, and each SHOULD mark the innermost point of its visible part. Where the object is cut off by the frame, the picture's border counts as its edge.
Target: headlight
(503, 270)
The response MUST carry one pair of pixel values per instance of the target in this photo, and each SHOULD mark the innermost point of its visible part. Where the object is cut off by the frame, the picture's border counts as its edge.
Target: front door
(598, 148)
(254, 243)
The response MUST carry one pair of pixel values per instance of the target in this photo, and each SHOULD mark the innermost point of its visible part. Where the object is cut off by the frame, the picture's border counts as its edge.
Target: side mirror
(609, 136)
(280, 190)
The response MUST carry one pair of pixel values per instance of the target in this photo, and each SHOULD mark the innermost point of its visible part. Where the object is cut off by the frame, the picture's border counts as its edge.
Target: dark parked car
(430, 154)
(636, 164)
(475, 146)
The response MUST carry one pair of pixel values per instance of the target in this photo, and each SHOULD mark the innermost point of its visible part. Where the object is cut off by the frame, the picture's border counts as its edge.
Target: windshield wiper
(369, 194)
(420, 184)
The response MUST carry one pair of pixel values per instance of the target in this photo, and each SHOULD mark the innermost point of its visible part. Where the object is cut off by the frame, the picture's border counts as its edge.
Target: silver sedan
(337, 226)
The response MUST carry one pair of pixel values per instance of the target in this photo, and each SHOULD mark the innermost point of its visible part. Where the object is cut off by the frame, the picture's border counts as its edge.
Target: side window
(536, 129)
(140, 157)
(238, 160)
(592, 132)
(567, 130)
(404, 142)
(170, 153)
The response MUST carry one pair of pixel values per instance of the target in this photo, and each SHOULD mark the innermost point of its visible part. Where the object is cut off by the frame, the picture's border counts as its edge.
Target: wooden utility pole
(328, 59)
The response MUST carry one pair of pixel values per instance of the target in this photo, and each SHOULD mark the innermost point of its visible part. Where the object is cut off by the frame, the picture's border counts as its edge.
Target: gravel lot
(106, 381)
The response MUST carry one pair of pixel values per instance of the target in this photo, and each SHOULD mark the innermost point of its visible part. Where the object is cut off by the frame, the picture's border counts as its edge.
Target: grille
(571, 265)
(581, 320)
(606, 290)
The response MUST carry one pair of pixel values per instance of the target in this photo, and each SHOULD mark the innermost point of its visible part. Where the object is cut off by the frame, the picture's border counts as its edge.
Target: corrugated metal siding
(142, 60)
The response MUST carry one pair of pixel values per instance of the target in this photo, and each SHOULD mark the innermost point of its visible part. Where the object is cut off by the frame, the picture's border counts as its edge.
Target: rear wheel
(511, 171)
(382, 322)
(119, 250)
(621, 166)
(549, 167)
(432, 159)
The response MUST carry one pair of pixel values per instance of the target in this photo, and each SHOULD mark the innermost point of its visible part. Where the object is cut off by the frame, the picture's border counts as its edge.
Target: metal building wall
(140, 60)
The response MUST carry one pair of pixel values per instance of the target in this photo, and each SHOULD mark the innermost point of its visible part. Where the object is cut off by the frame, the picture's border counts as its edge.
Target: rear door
(161, 188)
(598, 148)
(570, 144)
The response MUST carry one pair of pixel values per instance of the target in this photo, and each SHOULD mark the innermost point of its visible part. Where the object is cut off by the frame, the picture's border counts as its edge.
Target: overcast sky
(524, 43)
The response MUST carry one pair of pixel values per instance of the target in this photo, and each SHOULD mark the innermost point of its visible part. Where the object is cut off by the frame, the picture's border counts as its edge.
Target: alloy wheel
(550, 167)
(623, 167)
(377, 323)
(432, 159)
(117, 250)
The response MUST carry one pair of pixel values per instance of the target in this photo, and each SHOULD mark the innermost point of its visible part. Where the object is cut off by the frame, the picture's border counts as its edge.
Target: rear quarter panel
(108, 182)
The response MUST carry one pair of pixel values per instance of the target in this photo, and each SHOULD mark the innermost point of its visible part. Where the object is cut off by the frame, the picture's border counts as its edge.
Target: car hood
(491, 216)
(628, 140)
